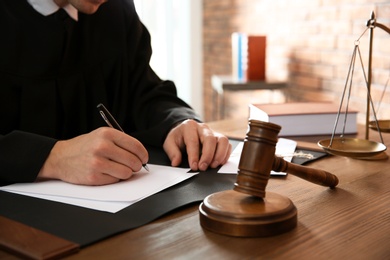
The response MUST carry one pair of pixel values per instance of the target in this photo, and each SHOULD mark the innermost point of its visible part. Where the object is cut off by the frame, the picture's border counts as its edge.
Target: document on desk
(110, 198)
(284, 148)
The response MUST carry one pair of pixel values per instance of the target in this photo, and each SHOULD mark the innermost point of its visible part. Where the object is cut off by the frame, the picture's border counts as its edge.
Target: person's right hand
(100, 157)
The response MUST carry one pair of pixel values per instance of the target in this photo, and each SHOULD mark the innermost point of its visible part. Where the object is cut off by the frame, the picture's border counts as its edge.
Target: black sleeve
(22, 155)
(154, 104)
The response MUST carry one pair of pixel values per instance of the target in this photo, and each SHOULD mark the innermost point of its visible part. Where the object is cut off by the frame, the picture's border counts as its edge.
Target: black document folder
(86, 226)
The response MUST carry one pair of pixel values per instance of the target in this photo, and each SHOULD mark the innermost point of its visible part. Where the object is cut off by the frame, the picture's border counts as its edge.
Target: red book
(256, 58)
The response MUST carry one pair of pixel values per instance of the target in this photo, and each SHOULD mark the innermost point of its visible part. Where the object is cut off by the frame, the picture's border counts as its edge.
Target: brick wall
(309, 44)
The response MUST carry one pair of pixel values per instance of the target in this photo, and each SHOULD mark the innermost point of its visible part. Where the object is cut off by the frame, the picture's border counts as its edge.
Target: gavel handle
(320, 177)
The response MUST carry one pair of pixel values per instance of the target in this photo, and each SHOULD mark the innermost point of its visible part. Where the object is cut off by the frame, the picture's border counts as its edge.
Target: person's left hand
(205, 148)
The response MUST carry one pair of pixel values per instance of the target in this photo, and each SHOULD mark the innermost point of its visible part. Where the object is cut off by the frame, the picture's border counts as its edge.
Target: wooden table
(349, 222)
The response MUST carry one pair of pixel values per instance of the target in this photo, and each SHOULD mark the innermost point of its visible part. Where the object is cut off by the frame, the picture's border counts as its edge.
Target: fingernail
(203, 166)
(215, 164)
(194, 166)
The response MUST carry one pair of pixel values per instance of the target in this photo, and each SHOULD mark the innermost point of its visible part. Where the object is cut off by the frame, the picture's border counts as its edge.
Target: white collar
(48, 7)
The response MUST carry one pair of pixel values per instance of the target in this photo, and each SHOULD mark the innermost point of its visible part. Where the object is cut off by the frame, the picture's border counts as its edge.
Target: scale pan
(352, 147)
(384, 125)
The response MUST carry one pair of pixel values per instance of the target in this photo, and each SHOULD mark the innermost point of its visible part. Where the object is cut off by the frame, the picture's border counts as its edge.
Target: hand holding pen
(111, 122)
(102, 156)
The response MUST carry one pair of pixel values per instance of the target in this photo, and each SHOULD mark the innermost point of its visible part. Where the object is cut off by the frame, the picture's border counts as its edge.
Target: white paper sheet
(284, 148)
(111, 198)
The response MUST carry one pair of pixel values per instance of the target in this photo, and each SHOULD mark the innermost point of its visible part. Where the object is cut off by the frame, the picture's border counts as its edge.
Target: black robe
(53, 75)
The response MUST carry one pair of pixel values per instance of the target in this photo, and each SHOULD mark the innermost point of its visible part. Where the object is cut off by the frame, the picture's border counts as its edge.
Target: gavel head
(257, 158)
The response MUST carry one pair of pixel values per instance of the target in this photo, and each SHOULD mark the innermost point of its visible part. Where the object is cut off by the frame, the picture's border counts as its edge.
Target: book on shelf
(306, 118)
(248, 57)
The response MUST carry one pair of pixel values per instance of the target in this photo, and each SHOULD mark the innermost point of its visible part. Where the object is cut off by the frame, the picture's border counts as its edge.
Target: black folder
(86, 226)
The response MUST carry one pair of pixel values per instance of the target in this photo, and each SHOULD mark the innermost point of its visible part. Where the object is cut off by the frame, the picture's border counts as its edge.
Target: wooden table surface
(349, 222)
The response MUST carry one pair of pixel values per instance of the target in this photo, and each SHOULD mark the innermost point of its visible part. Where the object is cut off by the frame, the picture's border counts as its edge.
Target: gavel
(313, 175)
(258, 156)
(248, 210)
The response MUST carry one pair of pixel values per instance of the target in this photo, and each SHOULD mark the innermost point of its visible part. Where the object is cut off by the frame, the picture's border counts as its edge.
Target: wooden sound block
(241, 215)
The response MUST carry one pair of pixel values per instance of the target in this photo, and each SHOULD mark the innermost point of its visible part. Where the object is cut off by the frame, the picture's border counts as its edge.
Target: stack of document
(284, 148)
(110, 198)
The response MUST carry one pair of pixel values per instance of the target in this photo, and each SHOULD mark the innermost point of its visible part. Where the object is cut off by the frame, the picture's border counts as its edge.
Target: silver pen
(111, 122)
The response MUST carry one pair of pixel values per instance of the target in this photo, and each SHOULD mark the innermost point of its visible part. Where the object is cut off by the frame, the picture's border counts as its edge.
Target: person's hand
(205, 148)
(100, 157)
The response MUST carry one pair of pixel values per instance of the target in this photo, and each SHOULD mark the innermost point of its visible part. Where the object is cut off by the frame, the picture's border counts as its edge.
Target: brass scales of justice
(353, 147)
(248, 210)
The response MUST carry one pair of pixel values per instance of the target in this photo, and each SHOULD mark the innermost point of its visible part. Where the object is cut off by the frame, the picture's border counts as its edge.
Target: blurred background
(309, 48)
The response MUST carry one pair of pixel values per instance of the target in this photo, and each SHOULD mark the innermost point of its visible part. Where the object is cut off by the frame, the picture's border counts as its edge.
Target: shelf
(222, 83)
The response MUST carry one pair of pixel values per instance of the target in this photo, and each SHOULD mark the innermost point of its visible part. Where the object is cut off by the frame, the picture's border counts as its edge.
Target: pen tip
(146, 167)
